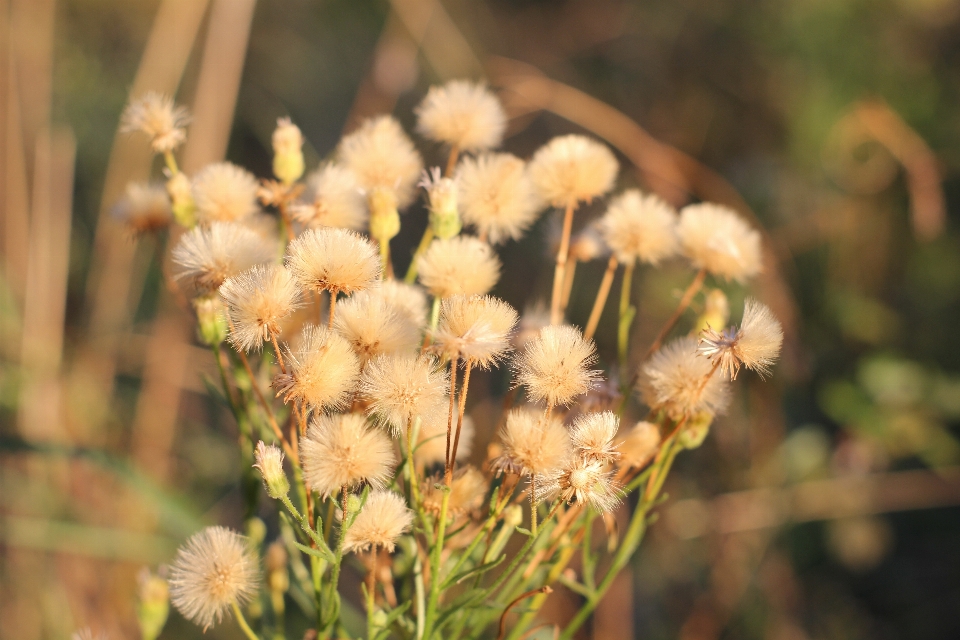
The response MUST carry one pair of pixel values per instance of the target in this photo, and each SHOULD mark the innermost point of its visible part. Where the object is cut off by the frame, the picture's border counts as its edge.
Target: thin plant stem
(461, 409)
(333, 306)
(271, 419)
(447, 475)
(601, 300)
(533, 504)
(171, 162)
(452, 160)
(287, 223)
(434, 320)
(435, 562)
(626, 316)
(385, 259)
(371, 593)
(425, 241)
(685, 301)
(523, 596)
(568, 284)
(558, 274)
(242, 621)
(276, 348)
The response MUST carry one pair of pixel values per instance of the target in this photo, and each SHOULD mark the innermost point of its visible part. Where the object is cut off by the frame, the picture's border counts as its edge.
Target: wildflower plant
(364, 439)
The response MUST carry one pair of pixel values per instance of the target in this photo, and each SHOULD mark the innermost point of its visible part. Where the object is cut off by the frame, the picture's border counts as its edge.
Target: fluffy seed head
(571, 169)
(223, 191)
(383, 518)
(715, 238)
(588, 244)
(755, 345)
(269, 461)
(322, 370)
(677, 380)
(592, 436)
(333, 199)
(408, 299)
(381, 156)
(206, 256)
(475, 329)
(335, 260)
(462, 114)
(460, 265)
(432, 443)
(497, 196)
(374, 326)
(401, 387)
(144, 207)
(87, 634)
(467, 492)
(341, 451)
(212, 570)
(159, 117)
(640, 445)
(555, 367)
(584, 481)
(640, 227)
(257, 300)
(533, 444)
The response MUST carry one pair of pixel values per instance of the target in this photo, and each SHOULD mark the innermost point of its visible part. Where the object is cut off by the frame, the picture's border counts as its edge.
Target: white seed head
(497, 196)
(584, 481)
(381, 155)
(432, 443)
(159, 117)
(467, 492)
(322, 370)
(257, 300)
(341, 451)
(382, 520)
(533, 444)
(214, 569)
(333, 198)
(756, 345)
(593, 436)
(462, 114)
(556, 366)
(374, 326)
(715, 238)
(144, 207)
(408, 299)
(460, 265)
(679, 381)
(269, 461)
(571, 169)
(401, 387)
(640, 445)
(206, 256)
(588, 244)
(640, 227)
(225, 192)
(335, 260)
(476, 329)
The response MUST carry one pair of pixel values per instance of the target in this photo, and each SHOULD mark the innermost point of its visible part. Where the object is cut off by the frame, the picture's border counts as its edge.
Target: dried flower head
(401, 387)
(432, 443)
(408, 299)
(640, 444)
(381, 155)
(223, 191)
(571, 169)
(257, 300)
(593, 436)
(287, 151)
(322, 370)
(460, 265)
(755, 345)
(333, 198)
(269, 462)
(341, 451)
(206, 256)
(583, 481)
(677, 380)
(588, 244)
(88, 634)
(467, 492)
(497, 196)
(533, 444)
(640, 227)
(213, 570)
(475, 329)
(159, 117)
(555, 367)
(462, 114)
(144, 207)
(383, 518)
(374, 326)
(715, 238)
(334, 260)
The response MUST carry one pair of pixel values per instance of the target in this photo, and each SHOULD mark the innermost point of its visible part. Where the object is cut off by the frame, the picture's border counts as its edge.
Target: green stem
(171, 162)
(243, 621)
(627, 313)
(424, 243)
(435, 558)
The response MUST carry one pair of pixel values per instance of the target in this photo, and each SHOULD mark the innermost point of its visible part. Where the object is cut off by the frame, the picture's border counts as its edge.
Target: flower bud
(384, 217)
(276, 564)
(693, 435)
(153, 605)
(181, 197)
(270, 463)
(513, 516)
(353, 504)
(287, 152)
(444, 215)
(211, 322)
(716, 312)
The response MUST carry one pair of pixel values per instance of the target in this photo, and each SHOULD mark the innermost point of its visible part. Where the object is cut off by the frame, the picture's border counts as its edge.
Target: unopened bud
(287, 152)
(353, 504)
(384, 217)
(211, 321)
(276, 563)
(696, 430)
(513, 515)
(270, 463)
(181, 198)
(153, 604)
(444, 215)
(716, 312)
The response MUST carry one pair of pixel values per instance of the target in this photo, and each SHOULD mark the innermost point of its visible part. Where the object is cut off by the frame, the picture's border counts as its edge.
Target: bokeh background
(825, 506)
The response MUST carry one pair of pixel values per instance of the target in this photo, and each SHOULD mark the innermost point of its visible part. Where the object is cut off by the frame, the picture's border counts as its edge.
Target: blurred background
(826, 505)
